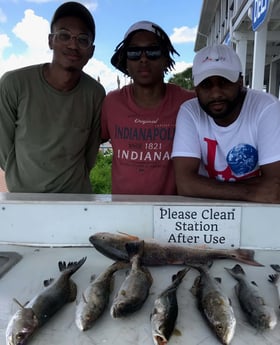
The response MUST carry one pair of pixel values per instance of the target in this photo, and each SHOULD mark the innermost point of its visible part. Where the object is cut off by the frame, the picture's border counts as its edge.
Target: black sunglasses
(135, 53)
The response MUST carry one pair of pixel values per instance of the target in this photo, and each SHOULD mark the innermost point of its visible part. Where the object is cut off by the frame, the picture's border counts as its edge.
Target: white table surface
(25, 280)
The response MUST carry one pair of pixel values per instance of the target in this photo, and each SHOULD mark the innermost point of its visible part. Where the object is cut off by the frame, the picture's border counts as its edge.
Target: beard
(229, 108)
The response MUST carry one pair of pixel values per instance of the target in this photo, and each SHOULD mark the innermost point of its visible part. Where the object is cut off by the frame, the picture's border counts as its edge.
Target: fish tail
(275, 267)
(274, 278)
(134, 248)
(246, 256)
(178, 277)
(237, 271)
(71, 267)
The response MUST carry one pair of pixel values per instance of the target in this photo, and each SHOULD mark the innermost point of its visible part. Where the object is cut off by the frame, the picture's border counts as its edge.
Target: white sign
(201, 226)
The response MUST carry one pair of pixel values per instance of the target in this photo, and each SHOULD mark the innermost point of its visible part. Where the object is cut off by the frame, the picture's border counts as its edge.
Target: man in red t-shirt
(139, 119)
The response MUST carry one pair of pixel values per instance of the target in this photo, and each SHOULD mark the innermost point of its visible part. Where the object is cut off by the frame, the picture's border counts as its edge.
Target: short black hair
(74, 9)
(119, 58)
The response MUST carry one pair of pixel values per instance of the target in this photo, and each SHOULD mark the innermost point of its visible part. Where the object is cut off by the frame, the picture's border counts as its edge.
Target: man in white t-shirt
(227, 140)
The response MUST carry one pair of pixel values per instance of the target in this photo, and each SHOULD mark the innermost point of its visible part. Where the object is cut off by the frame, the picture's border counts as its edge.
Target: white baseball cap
(217, 60)
(144, 25)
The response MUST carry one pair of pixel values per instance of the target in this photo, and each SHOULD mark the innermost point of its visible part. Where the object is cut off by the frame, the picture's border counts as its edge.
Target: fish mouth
(160, 340)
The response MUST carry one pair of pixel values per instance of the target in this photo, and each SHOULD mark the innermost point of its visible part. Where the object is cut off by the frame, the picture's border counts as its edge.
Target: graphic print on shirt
(146, 142)
(242, 160)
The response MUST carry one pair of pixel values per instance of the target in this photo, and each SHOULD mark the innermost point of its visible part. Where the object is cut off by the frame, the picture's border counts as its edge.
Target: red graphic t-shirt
(142, 141)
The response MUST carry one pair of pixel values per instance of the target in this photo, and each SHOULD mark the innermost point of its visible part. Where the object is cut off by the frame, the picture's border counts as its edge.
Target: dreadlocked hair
(165, 44)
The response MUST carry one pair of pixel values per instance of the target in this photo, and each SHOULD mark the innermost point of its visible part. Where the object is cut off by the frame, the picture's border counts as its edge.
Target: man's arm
(265, 188)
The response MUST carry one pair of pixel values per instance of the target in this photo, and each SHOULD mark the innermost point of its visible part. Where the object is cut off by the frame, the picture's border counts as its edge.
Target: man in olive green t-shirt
(50, 113)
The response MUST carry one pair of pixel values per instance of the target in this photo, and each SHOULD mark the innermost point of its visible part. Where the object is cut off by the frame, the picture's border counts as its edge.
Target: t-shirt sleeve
(8, 117)
(186, 139)
(268, 134)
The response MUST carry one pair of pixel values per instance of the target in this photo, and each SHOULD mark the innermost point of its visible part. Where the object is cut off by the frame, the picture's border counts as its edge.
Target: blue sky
(24, 28)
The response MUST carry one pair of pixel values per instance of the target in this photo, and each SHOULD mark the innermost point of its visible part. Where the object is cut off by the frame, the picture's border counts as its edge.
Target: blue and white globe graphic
(242, 159)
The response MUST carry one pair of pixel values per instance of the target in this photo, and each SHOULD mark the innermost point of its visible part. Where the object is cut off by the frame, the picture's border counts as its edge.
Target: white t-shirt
(234, 152)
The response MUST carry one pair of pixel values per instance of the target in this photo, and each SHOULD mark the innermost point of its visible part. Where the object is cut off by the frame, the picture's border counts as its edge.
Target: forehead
(215, 79)
(144, 38)
(74, 24)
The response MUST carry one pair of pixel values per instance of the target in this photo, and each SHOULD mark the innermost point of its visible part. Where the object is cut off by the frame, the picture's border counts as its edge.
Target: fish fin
(218, 279)
(177, 332)
(48, 282)
(131, 237)
(18, 303)
(275, 267)
(92, 278)
(254, 283)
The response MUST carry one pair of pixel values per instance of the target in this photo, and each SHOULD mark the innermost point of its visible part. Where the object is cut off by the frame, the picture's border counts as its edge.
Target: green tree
(100, 175)
(183, 79)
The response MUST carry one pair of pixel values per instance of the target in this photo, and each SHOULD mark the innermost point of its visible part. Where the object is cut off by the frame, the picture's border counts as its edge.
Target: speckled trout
(95, 298)
(135, 289)
(214, 305)
(42, 307)
(113, 246)
(260, 315)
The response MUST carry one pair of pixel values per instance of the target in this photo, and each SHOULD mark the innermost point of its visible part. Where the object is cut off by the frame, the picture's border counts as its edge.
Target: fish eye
(20, 336)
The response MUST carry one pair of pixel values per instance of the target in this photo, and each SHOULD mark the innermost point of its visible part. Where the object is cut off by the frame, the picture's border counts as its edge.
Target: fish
(165, 310)
(275, 278)
(260, 315)
(214, 305)
(43, 306)
(135, 289)
(96, 297)
(113, 246)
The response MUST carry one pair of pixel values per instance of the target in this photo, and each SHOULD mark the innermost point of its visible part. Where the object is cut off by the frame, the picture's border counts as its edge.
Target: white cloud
(181, 66)
(31, 29)
(4, 43)
(183, 34)
(37, 51)
(91, 5)
(3, 17)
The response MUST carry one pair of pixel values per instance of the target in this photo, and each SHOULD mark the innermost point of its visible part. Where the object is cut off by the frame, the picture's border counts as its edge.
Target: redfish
(165, 310)
(113, 246)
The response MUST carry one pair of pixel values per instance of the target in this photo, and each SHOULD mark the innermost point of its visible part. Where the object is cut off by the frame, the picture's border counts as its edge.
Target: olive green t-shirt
(48, 139)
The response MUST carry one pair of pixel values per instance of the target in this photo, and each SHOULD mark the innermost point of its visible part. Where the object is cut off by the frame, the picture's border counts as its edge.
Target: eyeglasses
(65, 36)
(135, 53)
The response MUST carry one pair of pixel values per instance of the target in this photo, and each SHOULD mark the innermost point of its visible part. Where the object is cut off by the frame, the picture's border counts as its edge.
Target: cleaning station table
(43, 229)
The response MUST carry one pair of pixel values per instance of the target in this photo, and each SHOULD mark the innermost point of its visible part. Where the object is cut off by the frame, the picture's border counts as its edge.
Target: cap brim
(230, 75)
